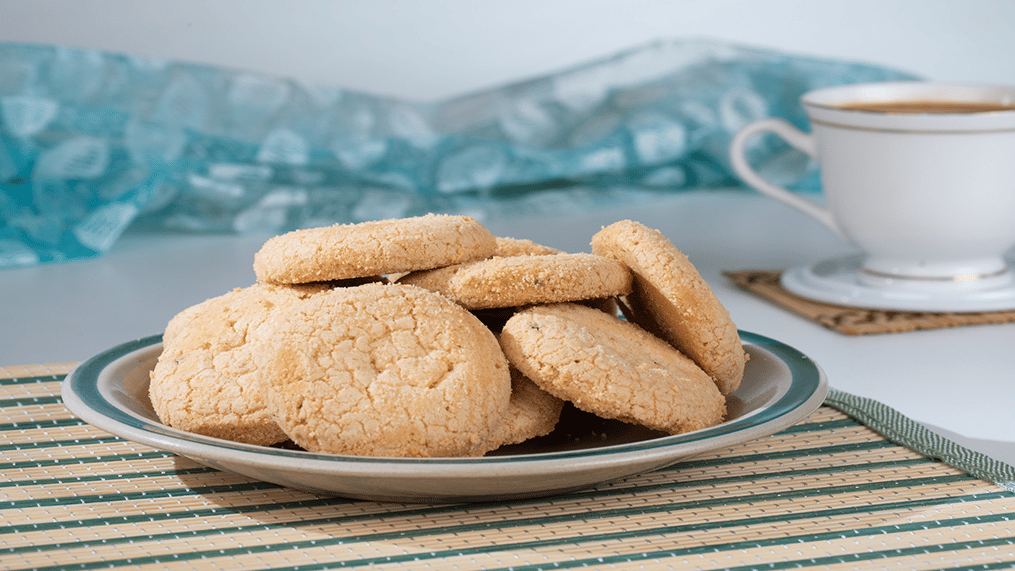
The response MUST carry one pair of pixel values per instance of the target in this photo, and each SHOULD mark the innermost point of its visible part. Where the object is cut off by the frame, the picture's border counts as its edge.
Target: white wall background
(426, 49)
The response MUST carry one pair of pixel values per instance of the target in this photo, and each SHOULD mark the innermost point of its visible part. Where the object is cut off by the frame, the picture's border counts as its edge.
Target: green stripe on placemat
(898, 428)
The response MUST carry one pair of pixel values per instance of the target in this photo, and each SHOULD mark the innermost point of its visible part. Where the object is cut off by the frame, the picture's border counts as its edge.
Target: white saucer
(838, 281)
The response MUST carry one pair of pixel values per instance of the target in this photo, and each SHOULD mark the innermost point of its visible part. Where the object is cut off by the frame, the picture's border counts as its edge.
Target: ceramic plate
(781, 386)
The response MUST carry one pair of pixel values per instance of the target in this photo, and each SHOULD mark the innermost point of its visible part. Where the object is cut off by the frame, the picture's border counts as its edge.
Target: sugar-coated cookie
(372, 248)
(532, 412)
(610, 367)
(385, 370)
(526, 279)
(523, 247)
(670, 298)
(207, 380)
(183, 318)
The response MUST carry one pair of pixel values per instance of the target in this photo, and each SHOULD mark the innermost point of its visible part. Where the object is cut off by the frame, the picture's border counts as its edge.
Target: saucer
(840, 281)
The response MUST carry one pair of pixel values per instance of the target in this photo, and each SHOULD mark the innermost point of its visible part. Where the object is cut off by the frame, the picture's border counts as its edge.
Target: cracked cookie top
(671, 299)
(611, 368)
(206, 379)
(385, 370)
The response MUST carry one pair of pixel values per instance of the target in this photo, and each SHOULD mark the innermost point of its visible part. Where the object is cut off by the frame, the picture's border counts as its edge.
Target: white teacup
(928, 194)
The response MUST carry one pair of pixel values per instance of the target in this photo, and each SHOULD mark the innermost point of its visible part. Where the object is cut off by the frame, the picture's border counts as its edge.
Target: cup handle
(798, 140)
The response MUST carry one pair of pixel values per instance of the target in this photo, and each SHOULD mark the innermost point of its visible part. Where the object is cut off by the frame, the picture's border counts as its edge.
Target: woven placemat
(853, 320)
(826, 493)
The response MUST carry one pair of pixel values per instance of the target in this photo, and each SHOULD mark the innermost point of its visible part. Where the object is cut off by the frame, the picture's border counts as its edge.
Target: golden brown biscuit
(385, 370)
(521, 280)
(532, 412)
(206, 379)
(523, 247)
(380, 247)
(612, 368)
(671, 299)
(181, 320)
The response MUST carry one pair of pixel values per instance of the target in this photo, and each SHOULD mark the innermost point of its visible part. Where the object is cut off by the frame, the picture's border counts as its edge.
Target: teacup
(919, 176)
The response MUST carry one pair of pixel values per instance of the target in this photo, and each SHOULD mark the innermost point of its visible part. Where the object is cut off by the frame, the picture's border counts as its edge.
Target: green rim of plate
(806, 381)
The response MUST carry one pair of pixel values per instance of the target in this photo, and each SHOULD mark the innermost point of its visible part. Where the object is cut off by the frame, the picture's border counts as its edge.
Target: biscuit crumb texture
(611, 368)
(532, 412)
(526, 279)
(671, 299)
(522, 247)
(206, 379)
(385, 370)
(381, 247)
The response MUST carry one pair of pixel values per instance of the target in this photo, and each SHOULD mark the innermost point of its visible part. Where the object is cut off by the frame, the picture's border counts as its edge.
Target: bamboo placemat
(853, 320)
(826, 493)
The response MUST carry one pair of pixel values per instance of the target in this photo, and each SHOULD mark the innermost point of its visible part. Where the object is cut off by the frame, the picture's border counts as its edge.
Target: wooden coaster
(853, 320)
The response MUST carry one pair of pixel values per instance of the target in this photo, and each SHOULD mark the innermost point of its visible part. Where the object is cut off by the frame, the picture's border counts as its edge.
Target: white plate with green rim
(781, 387)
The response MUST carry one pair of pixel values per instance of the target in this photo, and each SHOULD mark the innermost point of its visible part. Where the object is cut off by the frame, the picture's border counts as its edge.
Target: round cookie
(365, 249)
(182, 319)
(523, 247)
(531, 412)
(179, 322)
(385, 370)
(206, 380)
(612, 368)
(670, 298)
(527, 279)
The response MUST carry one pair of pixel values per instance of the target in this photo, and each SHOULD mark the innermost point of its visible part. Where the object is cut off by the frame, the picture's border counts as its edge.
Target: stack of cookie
(430, 337)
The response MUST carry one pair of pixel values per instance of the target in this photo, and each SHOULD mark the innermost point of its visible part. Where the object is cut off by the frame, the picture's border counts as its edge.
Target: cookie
(385, 370)
(523, 247)
(527, 279)
(670, 298)
(531, 412)
(181, 320)
(611, 368)
(206, 379)
(372, 248)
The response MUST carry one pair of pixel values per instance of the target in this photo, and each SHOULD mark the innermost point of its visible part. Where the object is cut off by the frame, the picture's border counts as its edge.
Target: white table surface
(958, 382)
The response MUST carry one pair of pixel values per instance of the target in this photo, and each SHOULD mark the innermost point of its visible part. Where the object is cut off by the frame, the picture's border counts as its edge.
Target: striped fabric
(899, 429)
(826, 493)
